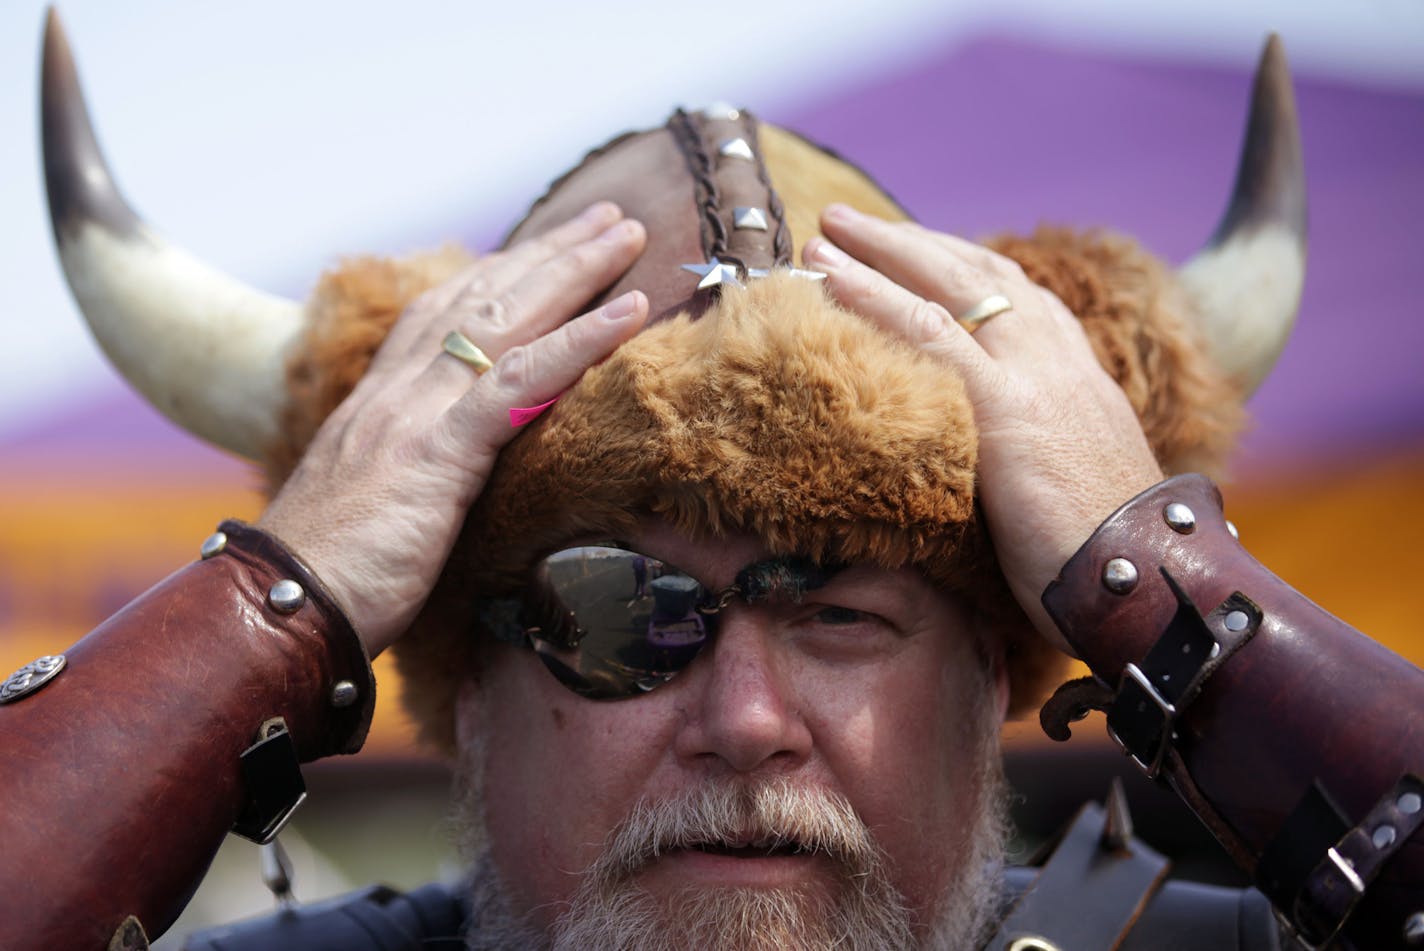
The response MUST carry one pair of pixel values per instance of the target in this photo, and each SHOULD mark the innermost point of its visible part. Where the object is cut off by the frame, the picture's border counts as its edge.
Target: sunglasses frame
(516, 620)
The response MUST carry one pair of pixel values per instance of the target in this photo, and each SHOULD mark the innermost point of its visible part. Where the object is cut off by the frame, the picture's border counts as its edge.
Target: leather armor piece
(1303, 698)
(154, 708)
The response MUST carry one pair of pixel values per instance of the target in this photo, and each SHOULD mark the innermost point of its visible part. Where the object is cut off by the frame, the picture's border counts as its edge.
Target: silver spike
(714, 273)
(748, 219)
(735, 148)
(757, 273)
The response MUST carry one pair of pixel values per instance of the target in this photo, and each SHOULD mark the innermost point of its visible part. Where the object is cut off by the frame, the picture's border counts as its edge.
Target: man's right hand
(378, 499)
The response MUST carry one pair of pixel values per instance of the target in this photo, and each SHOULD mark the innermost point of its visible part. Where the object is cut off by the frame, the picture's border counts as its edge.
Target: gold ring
(989, 307)
(463, 349)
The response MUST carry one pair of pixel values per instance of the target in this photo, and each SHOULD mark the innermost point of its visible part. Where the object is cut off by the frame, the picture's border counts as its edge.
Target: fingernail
(841, 212)
(826, 255)
(620, 232)
(599, 211)
(621, 307)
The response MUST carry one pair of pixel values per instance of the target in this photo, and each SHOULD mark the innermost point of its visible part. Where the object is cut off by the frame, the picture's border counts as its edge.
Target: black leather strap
(1320, 867)
(1153, 695)
(1089, 893)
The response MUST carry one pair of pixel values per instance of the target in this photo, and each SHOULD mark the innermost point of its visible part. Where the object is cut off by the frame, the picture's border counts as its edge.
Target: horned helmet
(751, 403)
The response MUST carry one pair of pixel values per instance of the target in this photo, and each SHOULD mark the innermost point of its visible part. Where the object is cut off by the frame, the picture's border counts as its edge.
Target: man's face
(868, 702)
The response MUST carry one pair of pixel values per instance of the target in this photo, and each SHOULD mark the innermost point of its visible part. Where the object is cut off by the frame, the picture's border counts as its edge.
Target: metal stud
(735, 148)
(1236, 621)
(286, 596)
(1119, 576)
(1182, 520)
(713, 274)
(748, 219)
(31, 677)
(1414, 930)
(1384, 836)
(722, 110)
(1409, 803)
(343, 693)
(213, 545)
(1231, 527)
(1032, 943)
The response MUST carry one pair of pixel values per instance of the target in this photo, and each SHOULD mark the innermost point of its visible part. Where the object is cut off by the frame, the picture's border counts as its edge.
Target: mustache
(770, 817)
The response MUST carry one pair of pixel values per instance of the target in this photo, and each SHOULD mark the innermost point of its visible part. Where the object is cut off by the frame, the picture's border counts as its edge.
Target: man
(824, 454)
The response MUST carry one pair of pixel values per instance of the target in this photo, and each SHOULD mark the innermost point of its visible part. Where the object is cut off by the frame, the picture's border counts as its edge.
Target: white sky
(269, 136)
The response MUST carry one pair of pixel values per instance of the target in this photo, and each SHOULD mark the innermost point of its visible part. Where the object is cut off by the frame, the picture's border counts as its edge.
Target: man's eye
(840, 615)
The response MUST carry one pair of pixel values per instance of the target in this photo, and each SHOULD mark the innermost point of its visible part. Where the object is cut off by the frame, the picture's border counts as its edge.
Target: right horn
(205, 349)
(1247, 280)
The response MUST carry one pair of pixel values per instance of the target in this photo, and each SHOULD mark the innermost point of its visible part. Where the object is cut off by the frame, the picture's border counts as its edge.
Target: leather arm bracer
(1279, 714)
(123, 773)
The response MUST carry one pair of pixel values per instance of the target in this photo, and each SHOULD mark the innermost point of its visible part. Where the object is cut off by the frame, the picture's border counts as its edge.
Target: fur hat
(765, 409)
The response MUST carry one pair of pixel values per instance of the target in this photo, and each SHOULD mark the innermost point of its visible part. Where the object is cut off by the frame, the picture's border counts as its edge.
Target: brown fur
(351, 310)
(1140, 324)
(776, 413)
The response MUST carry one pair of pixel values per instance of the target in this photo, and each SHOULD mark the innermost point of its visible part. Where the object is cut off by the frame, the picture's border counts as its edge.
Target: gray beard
(864, 911)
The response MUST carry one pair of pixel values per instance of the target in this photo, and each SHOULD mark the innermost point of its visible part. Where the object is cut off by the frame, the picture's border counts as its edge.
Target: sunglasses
(610, 622)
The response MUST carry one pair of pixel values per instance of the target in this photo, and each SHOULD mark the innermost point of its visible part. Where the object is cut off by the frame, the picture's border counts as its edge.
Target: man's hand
(378, 499)
(1059, 446)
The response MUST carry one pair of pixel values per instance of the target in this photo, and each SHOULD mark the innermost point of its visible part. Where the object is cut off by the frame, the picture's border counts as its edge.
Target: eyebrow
(787, 577)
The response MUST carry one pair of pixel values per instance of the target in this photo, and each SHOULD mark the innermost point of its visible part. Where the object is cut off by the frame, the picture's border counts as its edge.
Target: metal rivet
(1414, 930)
(722, 110)
(1119, 576)
(213, 544)
(31, 677)
(735, 148)
(748, 219)
(1032, 943)
(1383, 837)
(1231, 527)
(1237, 620)
(286, 596)
(343, 693)
(1182, 519)
(1409, 803)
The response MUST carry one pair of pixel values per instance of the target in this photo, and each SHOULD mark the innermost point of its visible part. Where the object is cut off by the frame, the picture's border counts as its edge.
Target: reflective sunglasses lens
(614, 623)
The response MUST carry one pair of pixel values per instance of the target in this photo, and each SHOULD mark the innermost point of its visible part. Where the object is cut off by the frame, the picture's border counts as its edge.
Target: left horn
(1247, 280)
(205, 349)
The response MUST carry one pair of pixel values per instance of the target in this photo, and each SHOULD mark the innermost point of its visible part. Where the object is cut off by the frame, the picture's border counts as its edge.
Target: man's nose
(742, 708)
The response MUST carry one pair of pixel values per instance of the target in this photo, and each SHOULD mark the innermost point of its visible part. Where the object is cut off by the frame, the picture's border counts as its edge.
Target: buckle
(1140, 720)
(272, 776)
(1319, 923)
